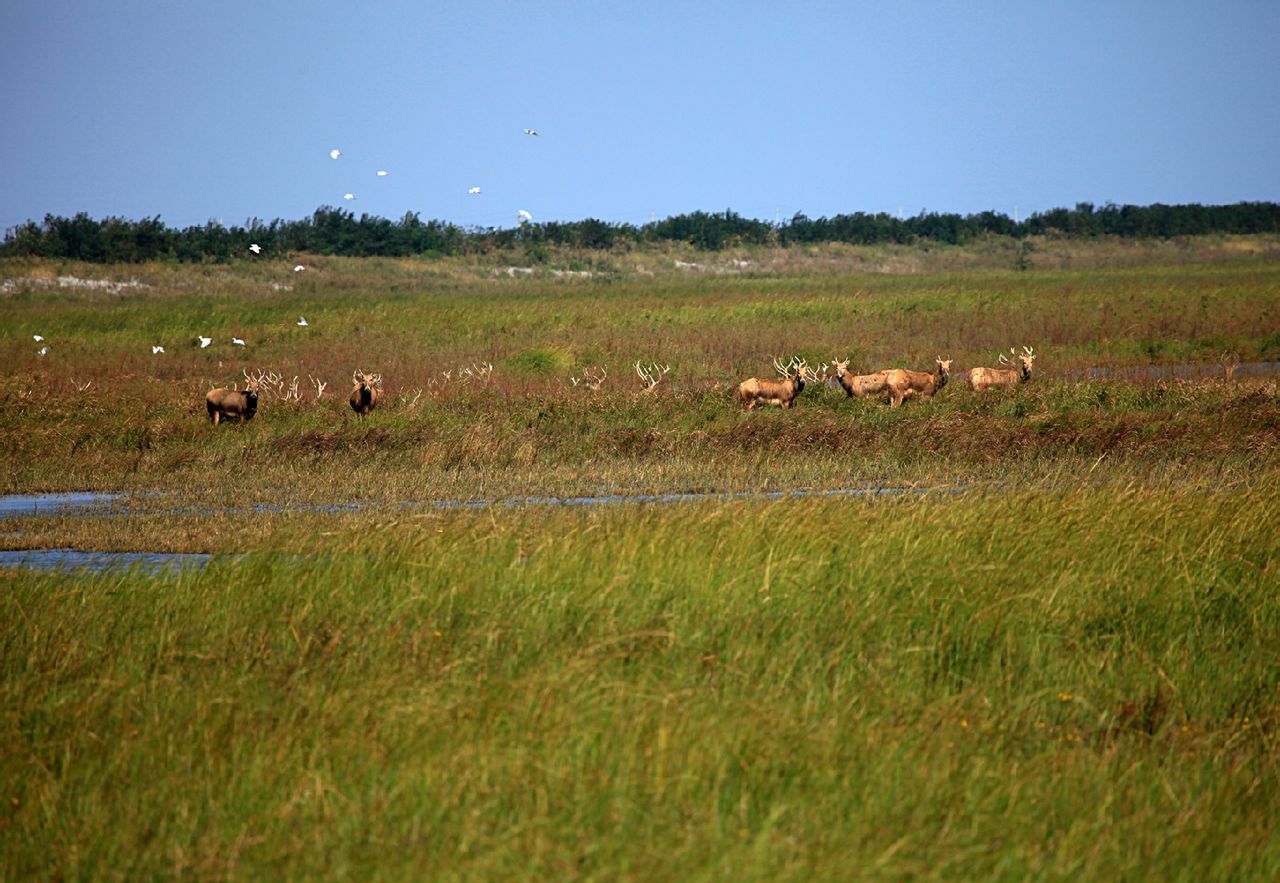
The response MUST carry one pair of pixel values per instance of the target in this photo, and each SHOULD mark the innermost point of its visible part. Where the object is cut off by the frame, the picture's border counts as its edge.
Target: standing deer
(223, 403)
(857, 386)
(904, 384)
(795, 374)
(368, 388)
(984, 378)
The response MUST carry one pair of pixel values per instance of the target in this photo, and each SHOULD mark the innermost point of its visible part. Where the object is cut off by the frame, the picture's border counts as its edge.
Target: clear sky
(228, 110)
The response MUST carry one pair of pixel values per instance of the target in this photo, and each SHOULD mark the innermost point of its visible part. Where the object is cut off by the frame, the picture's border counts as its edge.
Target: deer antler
(1003, 359)
(647, 376)
(319, 385)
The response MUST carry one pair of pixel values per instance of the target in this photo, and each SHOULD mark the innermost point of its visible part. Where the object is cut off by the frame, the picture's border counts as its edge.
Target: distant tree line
(334, 231)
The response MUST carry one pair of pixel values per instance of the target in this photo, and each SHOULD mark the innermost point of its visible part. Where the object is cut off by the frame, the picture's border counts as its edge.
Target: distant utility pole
(1015, 214)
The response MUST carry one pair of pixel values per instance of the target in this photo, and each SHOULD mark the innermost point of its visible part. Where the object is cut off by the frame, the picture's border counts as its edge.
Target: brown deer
(858, 386)
(904, 384)
(755, 391)
(368, 389)
(982, 379)
(223, 403)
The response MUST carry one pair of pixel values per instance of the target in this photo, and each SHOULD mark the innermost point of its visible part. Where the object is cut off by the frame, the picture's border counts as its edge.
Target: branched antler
(651, 375)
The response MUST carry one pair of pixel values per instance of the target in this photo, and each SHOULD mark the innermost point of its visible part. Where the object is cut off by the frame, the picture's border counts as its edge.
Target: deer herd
(893, 384)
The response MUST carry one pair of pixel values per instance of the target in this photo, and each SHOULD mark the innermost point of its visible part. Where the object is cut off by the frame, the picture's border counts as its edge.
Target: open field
(1055, 657)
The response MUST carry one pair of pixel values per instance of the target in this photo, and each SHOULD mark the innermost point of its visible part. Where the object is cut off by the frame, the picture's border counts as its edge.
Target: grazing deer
(368, 388)
(795, 374)
(223, 403)
(857, 386)
(904, 384)
(984, 378)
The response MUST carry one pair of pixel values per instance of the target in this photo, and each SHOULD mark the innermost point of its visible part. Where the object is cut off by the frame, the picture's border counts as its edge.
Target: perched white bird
(299, 268)
(155, 350)
(302, 321)
(235, 341)
(204, 341)
(382, 174)
(37, 337)
(335, 153)
(43, 351)
(348, 196)
(255, 248)
(523, 217)
(531, 132)
(474, 191)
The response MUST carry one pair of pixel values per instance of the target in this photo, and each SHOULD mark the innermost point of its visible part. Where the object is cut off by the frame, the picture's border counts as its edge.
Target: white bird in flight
(299, 268)
(37, 337)
(302, 322)
(205, 341)
(255, 248)
(236, 341)
(531, 132)
(523, 216)
(474, 191)
(155, 350)
(348, 196)
(335, 153)
(382, 173)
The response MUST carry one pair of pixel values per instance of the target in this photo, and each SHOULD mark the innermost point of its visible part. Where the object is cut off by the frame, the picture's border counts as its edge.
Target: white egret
(43, 351)
(236, 341)
(335, 153)
(348, 196)
(155, 350)
(299, 268)
(474, 191)
(531, 132)
(204, 341)
(37, 337)
(302, 322)
(382, 174)
(255, 248)
(523, 217)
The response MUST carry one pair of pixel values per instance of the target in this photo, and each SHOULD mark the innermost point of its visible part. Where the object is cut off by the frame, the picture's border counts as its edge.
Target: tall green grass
(1073, 682)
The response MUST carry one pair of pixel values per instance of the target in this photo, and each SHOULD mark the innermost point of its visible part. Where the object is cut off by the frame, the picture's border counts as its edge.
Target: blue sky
(228, 110)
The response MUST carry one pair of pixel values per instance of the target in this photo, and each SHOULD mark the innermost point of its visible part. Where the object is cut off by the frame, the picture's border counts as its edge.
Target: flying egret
(531, 132)
(204, 341)
(348, 196)
(335, 153)
(474, 191)
(43, 351)
(299, 268)
(255, 248)
(382, 173)
(236, 341)
(37, 337)
(523, 217)
(302, 321)
(155, 350)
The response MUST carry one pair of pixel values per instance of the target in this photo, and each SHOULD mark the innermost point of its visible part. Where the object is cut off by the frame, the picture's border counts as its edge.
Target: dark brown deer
(242, 404)
(368, 389)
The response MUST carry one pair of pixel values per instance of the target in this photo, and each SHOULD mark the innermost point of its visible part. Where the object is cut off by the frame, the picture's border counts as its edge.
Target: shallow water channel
(107, 505)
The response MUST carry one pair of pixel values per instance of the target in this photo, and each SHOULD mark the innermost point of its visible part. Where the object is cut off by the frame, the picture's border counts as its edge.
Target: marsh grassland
(1052, 652)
